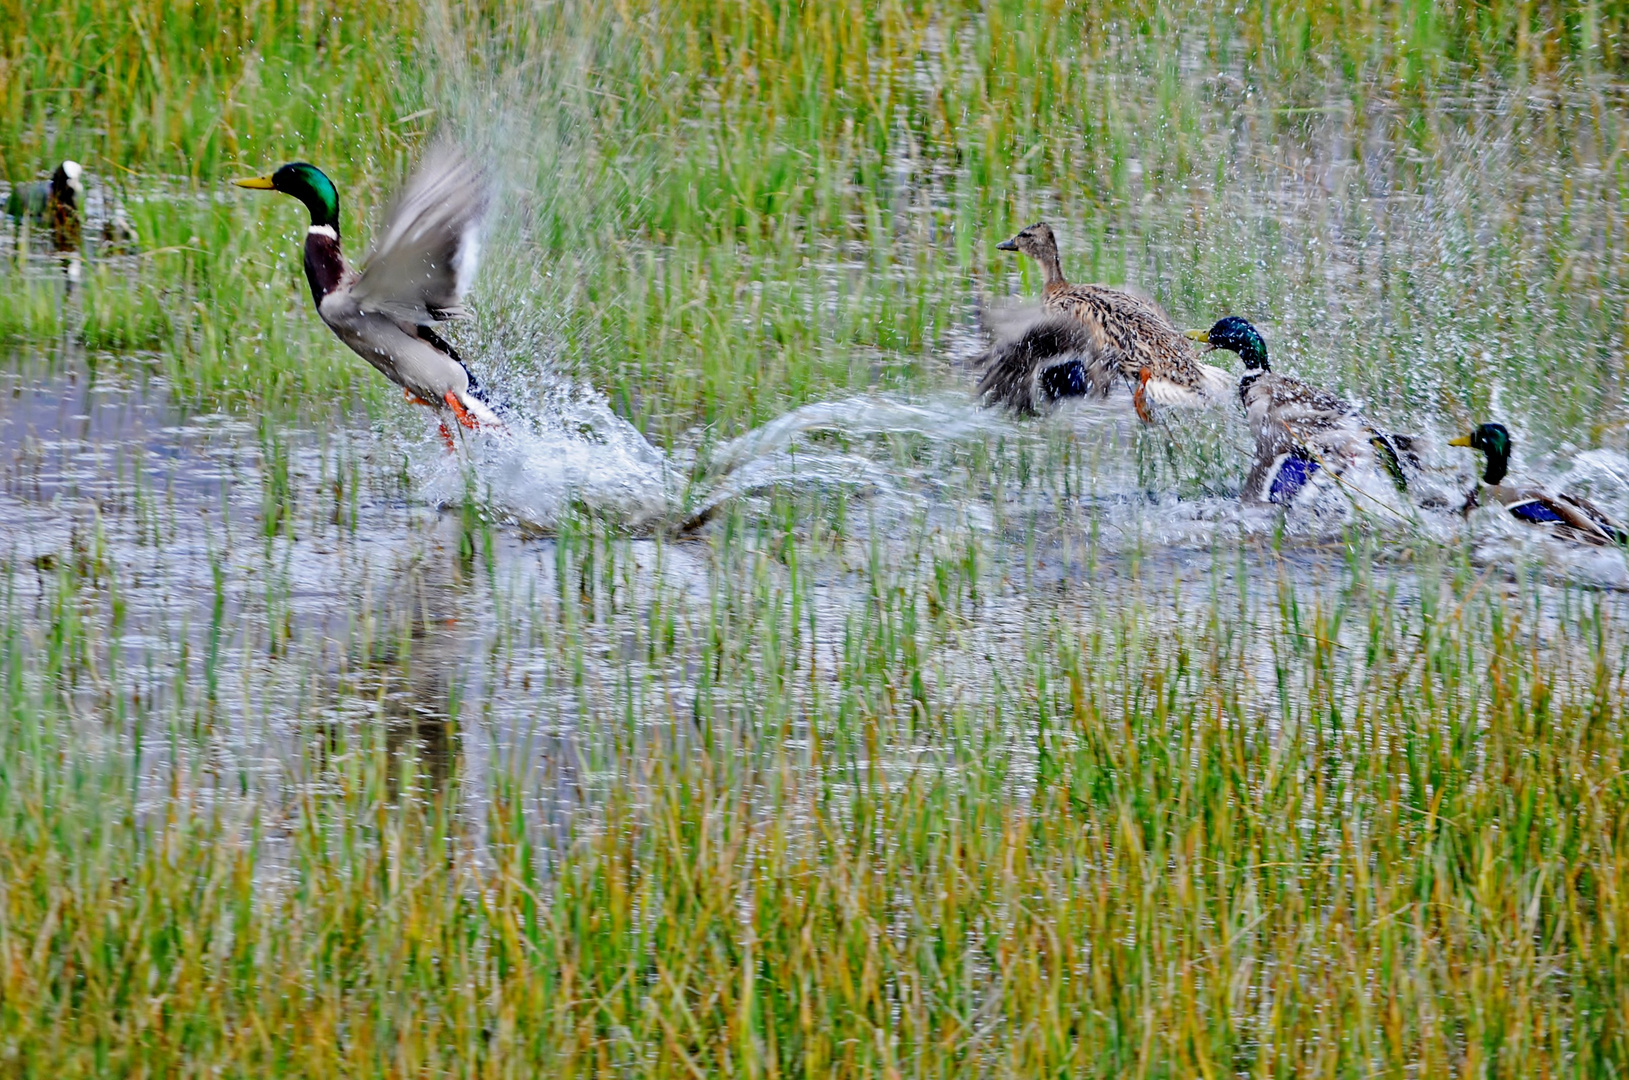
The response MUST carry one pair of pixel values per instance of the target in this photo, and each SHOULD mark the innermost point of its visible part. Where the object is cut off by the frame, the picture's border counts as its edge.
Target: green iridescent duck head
(1494, 441)
(307, 183)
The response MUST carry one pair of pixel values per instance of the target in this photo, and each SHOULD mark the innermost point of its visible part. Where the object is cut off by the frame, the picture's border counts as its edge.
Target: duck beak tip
(1463, 440)
(1007, 245)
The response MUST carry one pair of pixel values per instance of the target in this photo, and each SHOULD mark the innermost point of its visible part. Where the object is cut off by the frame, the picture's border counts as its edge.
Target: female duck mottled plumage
(1297, 427)
(1094, 336)
(1573, 517)
(416, 276)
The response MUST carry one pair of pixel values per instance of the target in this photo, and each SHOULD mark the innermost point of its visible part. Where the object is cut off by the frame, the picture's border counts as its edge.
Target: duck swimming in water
(416, 276)
(57, 203)
(1569, 515)
(1297, 427)
(1090, 338)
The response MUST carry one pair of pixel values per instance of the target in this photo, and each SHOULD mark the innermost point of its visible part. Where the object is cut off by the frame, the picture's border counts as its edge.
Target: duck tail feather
(1219, 383)
(1165, 392)
(478, 407)
(1215, 385)
(1408, 449)
(1389, 461)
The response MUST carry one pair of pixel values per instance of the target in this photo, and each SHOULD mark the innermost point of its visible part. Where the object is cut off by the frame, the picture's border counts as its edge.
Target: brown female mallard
(1091, 337)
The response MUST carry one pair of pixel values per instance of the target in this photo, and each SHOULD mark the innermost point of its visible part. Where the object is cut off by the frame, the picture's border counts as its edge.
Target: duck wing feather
(1289, 415)
(1572, 511)
(1283, 411)
(1213, 385)
(425, 256)
(1034, 363)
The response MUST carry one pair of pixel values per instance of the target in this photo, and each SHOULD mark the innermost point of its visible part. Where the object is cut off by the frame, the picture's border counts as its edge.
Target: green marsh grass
(193, 89)
(1263, 833)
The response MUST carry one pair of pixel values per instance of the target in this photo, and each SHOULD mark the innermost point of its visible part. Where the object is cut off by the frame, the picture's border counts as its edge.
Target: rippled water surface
(245, 573)
(266, 585)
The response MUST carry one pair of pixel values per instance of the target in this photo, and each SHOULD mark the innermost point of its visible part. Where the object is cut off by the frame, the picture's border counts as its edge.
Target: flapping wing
(1047, 359)
(425, 256)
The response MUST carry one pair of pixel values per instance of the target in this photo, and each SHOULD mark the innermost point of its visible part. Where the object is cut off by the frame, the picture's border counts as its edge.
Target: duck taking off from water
(1095, 336)
(1569, 515)
(1297, 427)
(57, 203)
(420, 267)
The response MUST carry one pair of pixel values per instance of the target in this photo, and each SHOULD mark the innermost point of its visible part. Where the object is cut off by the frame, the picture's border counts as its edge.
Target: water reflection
(416, 665)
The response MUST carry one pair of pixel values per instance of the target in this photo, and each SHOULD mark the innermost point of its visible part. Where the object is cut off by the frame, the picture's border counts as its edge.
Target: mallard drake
(1297, 427)
(56, 203)
(1570, 515)
(1126, 338)
(416, 276)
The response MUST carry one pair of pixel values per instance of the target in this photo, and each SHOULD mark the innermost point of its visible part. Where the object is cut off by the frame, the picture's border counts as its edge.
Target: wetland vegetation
(762, 708)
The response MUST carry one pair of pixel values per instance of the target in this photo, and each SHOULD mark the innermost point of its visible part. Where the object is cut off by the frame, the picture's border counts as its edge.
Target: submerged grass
(832, 797)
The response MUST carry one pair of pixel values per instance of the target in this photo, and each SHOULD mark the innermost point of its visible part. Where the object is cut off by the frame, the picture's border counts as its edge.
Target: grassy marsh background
(722, 210)
(827, 792)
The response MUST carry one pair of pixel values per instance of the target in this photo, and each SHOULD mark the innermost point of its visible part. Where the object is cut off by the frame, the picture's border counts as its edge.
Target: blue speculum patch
(1535, 511)
(1064, 380)
(1291, 477)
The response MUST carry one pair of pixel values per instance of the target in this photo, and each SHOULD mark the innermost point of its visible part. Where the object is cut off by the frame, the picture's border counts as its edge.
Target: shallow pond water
(265, 582)
(269, 589)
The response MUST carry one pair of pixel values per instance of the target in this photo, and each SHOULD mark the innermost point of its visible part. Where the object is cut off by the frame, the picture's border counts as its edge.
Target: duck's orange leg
(461, 413)
(446, 435)
(1139, 397)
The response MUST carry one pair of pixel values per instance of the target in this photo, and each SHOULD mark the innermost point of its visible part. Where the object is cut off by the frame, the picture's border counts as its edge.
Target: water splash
(574, 452)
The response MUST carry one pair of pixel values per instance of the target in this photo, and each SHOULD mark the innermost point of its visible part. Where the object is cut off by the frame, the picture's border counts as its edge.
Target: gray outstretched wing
(425, 256)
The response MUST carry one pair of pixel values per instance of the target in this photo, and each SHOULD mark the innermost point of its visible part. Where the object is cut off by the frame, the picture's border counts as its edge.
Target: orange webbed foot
(446, 437)
(461, 413)
(414, 399)
(1139, 397)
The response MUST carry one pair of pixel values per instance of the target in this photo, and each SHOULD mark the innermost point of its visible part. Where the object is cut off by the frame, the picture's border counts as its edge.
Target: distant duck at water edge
(58, 204)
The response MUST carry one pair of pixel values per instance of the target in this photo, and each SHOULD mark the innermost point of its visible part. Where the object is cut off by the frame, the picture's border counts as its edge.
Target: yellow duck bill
(259, 183)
